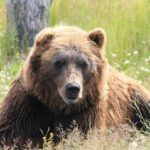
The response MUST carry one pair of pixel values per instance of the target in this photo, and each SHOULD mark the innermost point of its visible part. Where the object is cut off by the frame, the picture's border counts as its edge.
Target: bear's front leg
(23, 117)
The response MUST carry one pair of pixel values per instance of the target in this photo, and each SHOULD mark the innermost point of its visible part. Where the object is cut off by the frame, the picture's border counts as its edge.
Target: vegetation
(127, 26)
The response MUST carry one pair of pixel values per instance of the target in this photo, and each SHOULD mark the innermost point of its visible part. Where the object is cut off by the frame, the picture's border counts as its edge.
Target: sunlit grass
(120, 138)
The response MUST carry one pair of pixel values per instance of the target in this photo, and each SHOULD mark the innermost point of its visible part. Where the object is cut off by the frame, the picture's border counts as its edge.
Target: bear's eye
(58, 64)
(82, 64)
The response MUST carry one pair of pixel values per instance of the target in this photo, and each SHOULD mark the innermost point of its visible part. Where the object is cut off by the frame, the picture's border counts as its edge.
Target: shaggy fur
(33, 106)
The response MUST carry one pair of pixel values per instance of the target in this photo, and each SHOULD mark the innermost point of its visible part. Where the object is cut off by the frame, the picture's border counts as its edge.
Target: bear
(66, 78)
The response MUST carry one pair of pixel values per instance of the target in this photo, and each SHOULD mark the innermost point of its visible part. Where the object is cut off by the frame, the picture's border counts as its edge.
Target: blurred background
(126, 22)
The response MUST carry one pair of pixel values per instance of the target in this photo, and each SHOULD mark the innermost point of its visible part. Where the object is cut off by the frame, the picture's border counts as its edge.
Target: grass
(127, 26)
(120, 138)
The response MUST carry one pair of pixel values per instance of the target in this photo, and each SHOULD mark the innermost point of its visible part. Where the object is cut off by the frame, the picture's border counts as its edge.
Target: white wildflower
(146, 59)
(135, 52)
(114, 55)
(145, 69)
(126, 62)
(140, 81)
(128, 54)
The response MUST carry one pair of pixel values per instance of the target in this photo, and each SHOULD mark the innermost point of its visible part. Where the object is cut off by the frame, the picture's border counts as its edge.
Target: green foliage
(8, 45)
(7, 74)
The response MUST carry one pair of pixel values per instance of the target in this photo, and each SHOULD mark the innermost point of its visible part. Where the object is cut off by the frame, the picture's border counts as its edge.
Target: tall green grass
(10, 59)
(8, 48)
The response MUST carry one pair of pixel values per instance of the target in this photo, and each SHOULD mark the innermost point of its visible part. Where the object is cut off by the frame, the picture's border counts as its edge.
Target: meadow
(127, 27)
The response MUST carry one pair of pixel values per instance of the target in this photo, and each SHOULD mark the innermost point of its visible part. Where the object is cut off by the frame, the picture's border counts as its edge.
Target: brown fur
(33, 104)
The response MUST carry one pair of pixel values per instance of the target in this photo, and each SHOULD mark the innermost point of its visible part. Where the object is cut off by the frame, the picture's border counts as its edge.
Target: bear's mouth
(68, 98)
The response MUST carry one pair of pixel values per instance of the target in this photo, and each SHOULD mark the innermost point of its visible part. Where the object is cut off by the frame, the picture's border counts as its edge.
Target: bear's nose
(72, 90)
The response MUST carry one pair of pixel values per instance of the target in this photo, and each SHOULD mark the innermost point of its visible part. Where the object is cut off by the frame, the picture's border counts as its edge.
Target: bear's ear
(44, 37)
(98, 36)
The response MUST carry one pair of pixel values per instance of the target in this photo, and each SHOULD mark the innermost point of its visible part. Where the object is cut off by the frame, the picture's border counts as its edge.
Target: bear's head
(67, 67)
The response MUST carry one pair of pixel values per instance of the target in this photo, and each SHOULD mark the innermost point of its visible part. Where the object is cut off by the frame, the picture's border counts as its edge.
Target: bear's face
(70, 69)
(65, 65)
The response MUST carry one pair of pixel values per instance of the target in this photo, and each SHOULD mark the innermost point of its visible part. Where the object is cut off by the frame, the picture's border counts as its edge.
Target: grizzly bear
(66, 78)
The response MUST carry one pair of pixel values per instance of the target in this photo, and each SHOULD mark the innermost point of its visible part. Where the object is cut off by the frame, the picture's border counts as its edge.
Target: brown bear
(65, 79)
